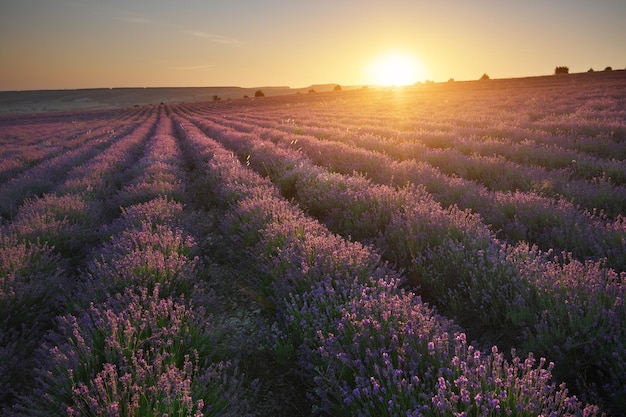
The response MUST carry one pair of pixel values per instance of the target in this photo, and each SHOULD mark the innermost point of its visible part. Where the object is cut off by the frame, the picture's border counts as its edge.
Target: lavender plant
(104, 174)
(361, 344)
(134, 355)
(158, 171)
(346, 344)
(143, 258)
(33, 280)
(580, 323)
(44, 177)
(64, 222)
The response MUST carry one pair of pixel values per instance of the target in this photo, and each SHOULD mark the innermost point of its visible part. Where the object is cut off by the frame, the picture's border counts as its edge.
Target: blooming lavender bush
(470, 277)
(158, 211)
(97, 228)
(147, 246)
(392, 356)
(103, 175)
(143, 258)
(516, 215)
(65, 222)
(33, 281)
(134, 355)
(44, 177)
(158, 173)
(347, 334)
(354, 350)
(580, 323)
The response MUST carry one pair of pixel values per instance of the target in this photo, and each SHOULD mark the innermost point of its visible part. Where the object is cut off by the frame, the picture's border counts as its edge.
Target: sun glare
(395, 69)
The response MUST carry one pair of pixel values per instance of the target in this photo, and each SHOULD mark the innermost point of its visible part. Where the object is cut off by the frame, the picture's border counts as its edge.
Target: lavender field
(453, 249)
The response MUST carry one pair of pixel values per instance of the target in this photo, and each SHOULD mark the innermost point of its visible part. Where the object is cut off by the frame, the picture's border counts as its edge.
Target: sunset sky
(60, 44)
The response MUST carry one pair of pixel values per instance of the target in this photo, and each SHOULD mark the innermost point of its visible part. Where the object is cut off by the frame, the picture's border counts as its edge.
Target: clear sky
(58, 44)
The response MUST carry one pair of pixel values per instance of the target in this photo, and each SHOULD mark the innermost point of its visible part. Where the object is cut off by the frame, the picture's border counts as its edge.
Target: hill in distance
(112, 98)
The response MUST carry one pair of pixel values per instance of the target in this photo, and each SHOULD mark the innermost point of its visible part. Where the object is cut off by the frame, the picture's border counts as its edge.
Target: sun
(395, 69)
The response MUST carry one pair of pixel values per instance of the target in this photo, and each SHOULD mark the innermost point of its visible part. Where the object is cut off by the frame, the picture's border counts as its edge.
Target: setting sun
(395, 69)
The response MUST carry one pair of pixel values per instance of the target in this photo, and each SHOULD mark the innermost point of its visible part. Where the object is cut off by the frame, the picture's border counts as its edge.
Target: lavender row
(103, 175)
(353, 206)
(158, 172)
(37, 252)
(159, 353)
(67, 218)
(45, 176)
(409, 135)
(60, 223)
(460, 265)
(148, 244)
(603, 191)
(552, 224)
(140, 347)
(27, 142)
(41, 247)
(366, 347)
(526, 158)
(518, 216)
(569, 118)
(601, 186)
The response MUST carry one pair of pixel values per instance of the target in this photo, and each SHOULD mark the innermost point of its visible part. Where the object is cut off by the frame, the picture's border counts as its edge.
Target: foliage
(456, 251)
(561, 70)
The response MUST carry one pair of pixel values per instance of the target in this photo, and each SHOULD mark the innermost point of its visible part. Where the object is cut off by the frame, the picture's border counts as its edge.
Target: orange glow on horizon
(395, 69)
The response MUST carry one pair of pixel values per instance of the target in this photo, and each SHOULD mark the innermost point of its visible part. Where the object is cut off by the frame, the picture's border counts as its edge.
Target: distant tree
(259, 93)
(337, 88)
(561, 70)
(451, 80)
(590, 70)
(608, 69)
(216, 98)
(311, 90)
(484, 77)
(246, 96)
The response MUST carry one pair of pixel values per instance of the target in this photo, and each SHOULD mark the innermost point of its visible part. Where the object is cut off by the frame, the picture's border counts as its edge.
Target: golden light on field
(395, 69)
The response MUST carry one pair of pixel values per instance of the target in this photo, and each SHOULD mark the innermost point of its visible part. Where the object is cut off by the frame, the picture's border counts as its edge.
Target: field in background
(362, 252)
(115, 98)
